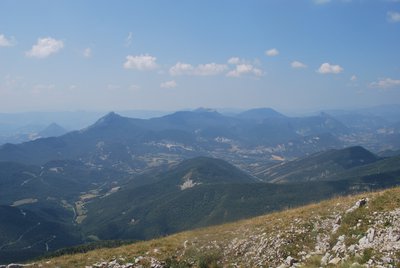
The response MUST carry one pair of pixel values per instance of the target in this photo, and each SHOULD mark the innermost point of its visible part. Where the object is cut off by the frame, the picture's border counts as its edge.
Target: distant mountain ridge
(260, 114)
(128, 178)
(320, 166)
(118, 140)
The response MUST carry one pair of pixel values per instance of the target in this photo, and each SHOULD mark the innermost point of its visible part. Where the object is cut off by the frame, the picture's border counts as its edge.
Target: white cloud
(201, 69)
(242, 69)
(87, 53)
(272, 52)
(327, 68)
(353, 78)
(210, 69)
(45, 47)
(393, 16)
(6, 42)
(141, 62)
(169, 84)
(181, 68)
(385, 83)
(298, 65)
(234, 60)
(128, 40)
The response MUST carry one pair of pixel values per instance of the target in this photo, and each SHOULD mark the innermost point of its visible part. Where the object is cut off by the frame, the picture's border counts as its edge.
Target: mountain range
(248, 140)
(132, 179)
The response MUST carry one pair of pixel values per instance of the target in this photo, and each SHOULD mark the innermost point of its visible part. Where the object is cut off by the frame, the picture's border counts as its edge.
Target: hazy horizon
(303, 56)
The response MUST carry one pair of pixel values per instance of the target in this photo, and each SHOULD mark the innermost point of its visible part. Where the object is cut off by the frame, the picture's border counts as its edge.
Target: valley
(202, 134)
(357, 231)
(137, 179)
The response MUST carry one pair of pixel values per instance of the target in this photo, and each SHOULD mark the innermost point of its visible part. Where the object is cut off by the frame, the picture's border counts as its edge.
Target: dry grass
(174, 246)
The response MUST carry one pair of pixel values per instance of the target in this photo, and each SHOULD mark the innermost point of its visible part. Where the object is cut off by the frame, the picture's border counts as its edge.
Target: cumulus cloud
(201, 69)
(87, 53)
(45, 47)
(272, 52)
(169, 84)
(353, 78)
(393, 16)
(298, 65)
(327, 68)
(210, 69)
(234, 60)
(141, 62)
(243, 69)
(6, 42)
(385, 83)
(181, 68)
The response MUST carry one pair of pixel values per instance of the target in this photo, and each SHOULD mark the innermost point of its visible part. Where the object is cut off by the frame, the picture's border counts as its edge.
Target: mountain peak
(205, 110)
(108, 119)
(206, 170)
(355, 156)
(52, 130)
(260, 113)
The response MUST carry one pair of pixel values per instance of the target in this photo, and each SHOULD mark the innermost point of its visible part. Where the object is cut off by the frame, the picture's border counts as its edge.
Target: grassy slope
(320, 166)
(295, 226)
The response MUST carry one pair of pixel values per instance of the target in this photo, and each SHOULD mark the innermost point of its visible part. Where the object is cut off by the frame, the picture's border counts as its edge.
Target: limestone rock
(335, 261)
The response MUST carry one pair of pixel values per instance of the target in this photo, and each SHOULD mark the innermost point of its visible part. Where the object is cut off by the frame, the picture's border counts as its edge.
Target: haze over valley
(137, 120)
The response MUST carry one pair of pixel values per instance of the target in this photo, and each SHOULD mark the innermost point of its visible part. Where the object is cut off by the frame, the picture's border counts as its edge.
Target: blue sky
(171, 55)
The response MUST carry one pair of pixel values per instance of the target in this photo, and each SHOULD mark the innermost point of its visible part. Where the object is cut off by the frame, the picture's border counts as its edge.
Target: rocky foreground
(358, 231)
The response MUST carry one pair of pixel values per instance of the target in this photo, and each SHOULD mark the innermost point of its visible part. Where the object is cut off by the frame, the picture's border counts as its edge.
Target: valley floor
(354, 231)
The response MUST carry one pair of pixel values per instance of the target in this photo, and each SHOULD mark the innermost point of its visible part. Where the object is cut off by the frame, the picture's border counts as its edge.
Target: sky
(66, 55)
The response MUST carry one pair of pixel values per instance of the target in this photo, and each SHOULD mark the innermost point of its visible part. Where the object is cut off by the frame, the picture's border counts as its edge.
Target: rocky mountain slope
(354, 231)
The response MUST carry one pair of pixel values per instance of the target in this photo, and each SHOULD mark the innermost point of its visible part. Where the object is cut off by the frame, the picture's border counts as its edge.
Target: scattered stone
(325, 259)
(363, 242)
(138, 259)
(352, 248)
(290, 261)
(15, 265)
(371, 234)
(259, 247)
(338, 220)
(335, 261)
(386, 260)
(360, 203)
(156, 264)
